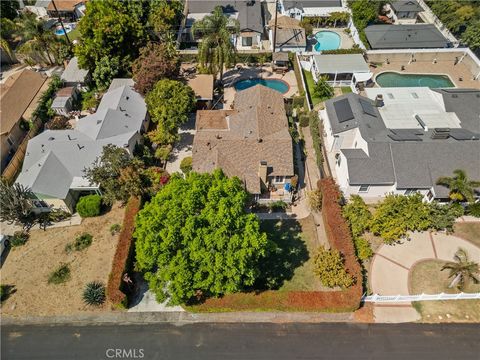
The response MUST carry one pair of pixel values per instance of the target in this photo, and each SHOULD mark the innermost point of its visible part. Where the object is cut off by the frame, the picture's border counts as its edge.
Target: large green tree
(169, 103)
(216, 49)
(9, 9)
(460, 186)
(165, 16)
(156, 62)
(471, 36)
(195, 240)
(111, 28)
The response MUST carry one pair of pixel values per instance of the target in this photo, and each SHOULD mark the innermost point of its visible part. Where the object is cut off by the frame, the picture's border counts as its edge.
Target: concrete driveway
(392, 264)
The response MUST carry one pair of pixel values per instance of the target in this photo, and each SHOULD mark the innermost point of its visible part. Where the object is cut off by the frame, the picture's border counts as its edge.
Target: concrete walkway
(183, 147)
(389, 274)
(9, 229)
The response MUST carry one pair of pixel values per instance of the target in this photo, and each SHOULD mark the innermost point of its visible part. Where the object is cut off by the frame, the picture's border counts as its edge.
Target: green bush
(81, 242)
(277, 205)
(94, 293)
(186, 165)
(89, 206)
(329, 266)
(304, 120)
(474, 209)
(343, 51)
(19, 238)
(357, 215)
(315, 130)
(60, 275)
(115, 229)
(314, 198)
(362, 248)
(443, 216)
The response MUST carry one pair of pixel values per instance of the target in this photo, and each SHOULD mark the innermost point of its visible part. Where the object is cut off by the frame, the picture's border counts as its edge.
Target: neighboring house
(341, 70)
(63, 102)
(19, 98)
(73, 75)
(67, 9)
(55, 159)
(249, 15)
(251, 141)
(401, 140)
(406, 10)
(305, 8)
(416, 36)
(290, 36)
(202, 86)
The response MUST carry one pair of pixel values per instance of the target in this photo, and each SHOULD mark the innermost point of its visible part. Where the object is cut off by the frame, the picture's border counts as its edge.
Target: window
(363, 188)
(430, 195)
(246, 41)
(410, 191)
(10, 141)
(278, 179)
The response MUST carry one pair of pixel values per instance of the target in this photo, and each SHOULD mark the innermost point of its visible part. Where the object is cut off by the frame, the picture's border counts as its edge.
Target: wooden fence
(15, 165)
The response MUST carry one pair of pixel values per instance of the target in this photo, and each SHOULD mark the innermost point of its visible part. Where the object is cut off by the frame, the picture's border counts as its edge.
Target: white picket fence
(375, 298)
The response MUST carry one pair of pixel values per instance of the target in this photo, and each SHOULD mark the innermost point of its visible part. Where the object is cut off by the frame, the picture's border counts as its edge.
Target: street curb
(126, 318)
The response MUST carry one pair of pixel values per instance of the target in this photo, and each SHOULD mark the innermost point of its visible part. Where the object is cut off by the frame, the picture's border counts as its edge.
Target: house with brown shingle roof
(70, 9)
(250, 141)
(19, 97)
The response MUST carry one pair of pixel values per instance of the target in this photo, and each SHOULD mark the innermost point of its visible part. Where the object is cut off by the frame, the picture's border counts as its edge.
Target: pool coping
(413, 73)
(335, 32)
(254, 78)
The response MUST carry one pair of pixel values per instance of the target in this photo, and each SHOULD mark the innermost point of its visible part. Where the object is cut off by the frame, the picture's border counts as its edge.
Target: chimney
(379, 100)
(262, 171)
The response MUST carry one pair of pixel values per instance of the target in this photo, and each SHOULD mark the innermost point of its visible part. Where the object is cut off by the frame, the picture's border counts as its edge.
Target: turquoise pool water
(393, 79)
(278, 85)
(327, 40)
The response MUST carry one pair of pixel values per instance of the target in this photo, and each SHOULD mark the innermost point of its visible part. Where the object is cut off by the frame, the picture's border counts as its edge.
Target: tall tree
(156, 62)
(471, 36)
(461, 188)
(16, 203)
(111, 28)
(105, 71)
(195, 239)
(165, 16)
(462, 270)
(216, 48)
(37, 41)
(169, 104)
(9, 9)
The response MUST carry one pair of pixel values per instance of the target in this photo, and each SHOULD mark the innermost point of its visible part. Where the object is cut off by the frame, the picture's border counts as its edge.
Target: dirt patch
(28, 267)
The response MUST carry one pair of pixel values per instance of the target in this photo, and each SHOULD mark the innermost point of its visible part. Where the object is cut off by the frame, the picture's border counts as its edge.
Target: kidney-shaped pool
(275, 84)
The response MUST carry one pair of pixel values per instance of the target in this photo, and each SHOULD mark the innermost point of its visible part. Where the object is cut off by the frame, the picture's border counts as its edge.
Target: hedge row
(315, 129)
(343, 51)
(339, 236)
(121, 260)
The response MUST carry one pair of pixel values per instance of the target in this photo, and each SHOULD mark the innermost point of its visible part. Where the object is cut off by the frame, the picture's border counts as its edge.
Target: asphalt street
(242, 341)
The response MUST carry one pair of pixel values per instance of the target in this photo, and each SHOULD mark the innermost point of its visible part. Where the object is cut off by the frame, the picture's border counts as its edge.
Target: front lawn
(346, 89)
(72, 35)
(469, 231)
(426, 277)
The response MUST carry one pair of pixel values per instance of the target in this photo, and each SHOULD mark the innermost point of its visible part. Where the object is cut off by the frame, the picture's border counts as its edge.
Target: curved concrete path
(392, 264)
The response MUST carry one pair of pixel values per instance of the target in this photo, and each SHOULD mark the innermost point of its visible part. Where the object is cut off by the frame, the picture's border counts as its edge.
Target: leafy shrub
(58, 123)
(304, 120)
(56, 215)
(362, 248)
(163, 152)
(186, 165)
(115, 229)
(322, 89)
(444, 216)
(94, 293)
(314, 199)
(474, 209)
(277, 205)
(331, 270)
(19, 238)
(357, 215)
(89, 100)
(121, 259)
(81, 242)
(6, 291)
(89, 206)
(60, 275)
(344, 51)
(315, 130)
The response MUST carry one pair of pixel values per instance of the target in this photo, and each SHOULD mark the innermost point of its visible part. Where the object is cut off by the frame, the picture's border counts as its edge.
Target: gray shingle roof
(55, 158)
(341, 63)
(406, 5)
(72, 73)
(416, 36)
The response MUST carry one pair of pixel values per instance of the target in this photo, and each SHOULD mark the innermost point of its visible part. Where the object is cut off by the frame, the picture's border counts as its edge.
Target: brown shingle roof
(202, 86)
(285, 22)
(236, 141)
(65, 5)
(17, 94)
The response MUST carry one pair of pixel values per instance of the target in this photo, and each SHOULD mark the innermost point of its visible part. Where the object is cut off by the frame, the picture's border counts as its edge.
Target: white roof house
(55, 159)
(341, 69)
(73, 75)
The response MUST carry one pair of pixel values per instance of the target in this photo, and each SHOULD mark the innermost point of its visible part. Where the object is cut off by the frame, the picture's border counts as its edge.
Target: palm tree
(216, 48)
(37, 40)
(462, 270)
(461, 188)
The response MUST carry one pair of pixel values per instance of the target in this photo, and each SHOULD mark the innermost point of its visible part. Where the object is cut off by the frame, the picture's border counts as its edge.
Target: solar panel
(463, 134)
(367, 107)
(343, 110)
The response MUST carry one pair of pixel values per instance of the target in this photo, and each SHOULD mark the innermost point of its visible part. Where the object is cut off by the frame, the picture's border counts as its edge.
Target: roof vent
(454, 96)
(51, 138)
(218, 136)
(99, 122)
(121, 109)
(441, 133)
(379, 100)
(421, 122)
(127, 97)
(80, 147)
(260, 140)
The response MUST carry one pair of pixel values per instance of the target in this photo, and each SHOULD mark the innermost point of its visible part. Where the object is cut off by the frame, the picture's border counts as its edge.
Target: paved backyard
(183, 147)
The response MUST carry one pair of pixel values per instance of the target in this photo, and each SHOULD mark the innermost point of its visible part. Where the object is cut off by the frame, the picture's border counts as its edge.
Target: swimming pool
(59, 30)
(394, 79)
(275, 84)
(327, 40)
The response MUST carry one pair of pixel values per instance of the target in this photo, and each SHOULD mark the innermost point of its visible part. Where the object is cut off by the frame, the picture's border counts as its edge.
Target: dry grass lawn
(28, 268)
(469, 231)
(426, 277)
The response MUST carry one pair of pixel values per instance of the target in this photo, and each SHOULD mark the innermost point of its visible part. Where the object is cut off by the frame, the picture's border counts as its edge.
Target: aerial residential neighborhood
(283, 179)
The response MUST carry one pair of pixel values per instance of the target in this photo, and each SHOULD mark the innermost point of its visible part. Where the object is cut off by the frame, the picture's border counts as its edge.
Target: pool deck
(426, 67)
(265, 72)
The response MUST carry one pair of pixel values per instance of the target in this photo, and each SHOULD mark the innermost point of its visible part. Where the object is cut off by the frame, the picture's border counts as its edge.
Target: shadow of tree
(287, 252)
(6, 291)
